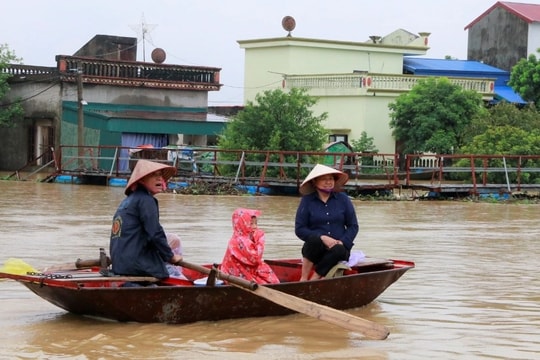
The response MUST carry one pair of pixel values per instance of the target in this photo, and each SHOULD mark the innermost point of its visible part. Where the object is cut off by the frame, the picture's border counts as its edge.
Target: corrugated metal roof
(468, 68)
(528, 12)
(464, 68)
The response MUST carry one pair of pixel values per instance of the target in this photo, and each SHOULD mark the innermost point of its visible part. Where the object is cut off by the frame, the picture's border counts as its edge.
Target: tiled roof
(528, 12)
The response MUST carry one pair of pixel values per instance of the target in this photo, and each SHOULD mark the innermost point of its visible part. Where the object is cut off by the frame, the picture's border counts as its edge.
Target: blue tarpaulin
(506, 93)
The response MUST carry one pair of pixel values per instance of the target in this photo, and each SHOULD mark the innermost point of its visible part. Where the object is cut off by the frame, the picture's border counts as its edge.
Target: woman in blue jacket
(326, 222)
(139, 244)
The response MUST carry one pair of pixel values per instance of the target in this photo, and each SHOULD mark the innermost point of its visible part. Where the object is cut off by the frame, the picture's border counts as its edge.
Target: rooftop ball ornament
(288, 24)
(158, 55)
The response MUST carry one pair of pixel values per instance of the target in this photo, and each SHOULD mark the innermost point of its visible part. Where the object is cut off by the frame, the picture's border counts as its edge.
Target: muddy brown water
(474, 294)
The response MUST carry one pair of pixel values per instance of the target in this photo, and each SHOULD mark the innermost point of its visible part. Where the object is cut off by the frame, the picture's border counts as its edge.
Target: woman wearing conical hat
(139, 245)
(326, 222)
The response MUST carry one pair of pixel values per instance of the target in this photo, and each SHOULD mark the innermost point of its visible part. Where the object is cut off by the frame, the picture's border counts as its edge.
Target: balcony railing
(379, 82)
(121, 73)
(130, 73)
(338, 81)
(20, 72)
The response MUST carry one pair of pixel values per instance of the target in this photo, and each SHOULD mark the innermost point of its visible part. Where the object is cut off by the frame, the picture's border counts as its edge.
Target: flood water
(474, 294)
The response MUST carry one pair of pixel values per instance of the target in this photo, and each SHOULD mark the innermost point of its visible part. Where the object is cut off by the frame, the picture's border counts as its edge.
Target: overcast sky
(205, 32)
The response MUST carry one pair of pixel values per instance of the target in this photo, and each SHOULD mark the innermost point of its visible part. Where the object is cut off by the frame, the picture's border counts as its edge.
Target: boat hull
(187, 304)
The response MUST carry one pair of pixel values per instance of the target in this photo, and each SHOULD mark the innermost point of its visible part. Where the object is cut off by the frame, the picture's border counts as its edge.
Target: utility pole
(80, 117)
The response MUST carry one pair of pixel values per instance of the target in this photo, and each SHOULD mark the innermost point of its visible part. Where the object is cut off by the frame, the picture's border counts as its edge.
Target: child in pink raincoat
(244, 255)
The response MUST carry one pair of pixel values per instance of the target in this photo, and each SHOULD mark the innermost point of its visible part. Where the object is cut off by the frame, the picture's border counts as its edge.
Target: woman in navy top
(139, 244)
(326, 222)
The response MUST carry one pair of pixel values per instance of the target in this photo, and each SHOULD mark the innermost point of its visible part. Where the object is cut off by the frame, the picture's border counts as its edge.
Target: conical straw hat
(146, 167)
(319, 170)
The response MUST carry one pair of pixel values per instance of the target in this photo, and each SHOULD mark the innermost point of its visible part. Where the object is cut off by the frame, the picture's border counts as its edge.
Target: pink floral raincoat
(244, 255)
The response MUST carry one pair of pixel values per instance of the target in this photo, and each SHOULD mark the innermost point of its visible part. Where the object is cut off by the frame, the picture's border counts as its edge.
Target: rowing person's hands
(176, 259)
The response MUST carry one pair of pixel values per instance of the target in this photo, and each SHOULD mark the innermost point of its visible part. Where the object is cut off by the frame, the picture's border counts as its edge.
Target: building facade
(354, 81)
(110, 101)
(504, 34)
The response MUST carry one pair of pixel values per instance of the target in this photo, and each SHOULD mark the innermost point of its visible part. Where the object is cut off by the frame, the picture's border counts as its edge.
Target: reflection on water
(473, 295)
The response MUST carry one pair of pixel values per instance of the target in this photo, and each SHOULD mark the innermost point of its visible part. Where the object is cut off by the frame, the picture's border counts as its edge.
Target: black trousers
(324, 259)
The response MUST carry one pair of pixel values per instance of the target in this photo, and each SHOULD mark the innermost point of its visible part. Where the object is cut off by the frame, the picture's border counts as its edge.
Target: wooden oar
(83, 278)
(350, 322)
(77, 265)
(106, 278)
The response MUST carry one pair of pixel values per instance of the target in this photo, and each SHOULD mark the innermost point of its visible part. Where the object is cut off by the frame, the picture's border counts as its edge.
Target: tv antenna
(142, 29)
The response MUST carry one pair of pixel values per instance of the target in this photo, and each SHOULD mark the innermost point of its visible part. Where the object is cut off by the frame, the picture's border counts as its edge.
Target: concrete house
(102, 97)
(354, 81)
(504, 34)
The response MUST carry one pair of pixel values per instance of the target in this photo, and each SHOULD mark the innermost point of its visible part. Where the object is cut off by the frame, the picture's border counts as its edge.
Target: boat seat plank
(373, 262)
(366, 262)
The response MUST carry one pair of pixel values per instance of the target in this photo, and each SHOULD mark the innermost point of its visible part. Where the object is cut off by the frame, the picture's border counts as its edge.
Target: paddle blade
(340, 318)
(16, 267)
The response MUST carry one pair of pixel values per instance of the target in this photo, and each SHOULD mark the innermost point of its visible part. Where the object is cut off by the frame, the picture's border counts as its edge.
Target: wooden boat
(87, 292)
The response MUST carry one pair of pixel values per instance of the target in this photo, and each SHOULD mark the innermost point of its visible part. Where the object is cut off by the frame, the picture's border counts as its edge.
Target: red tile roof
(528, 12)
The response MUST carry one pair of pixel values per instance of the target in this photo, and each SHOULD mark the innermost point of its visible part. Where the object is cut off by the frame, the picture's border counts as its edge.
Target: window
(337, 137)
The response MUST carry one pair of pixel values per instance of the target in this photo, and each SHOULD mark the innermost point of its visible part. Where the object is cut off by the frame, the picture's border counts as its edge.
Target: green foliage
(200, 187)
(9, 112)
(504, 130)
(276, 121)
(364, 144)
(506, 140)
(433, 116)
(525, 78)
(504, 114)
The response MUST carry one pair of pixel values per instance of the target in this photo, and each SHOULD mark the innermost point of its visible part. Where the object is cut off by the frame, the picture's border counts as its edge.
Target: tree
(504, 114)
(525, 78)
(276, 121)
(9, 111)
(364, 144)
(506, 140)
(433, 116)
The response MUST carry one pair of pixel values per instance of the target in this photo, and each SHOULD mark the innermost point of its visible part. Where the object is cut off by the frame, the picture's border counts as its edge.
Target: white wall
(533, 41)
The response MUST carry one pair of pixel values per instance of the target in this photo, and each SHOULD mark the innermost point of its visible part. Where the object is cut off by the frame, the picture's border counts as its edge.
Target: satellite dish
(288, 24)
